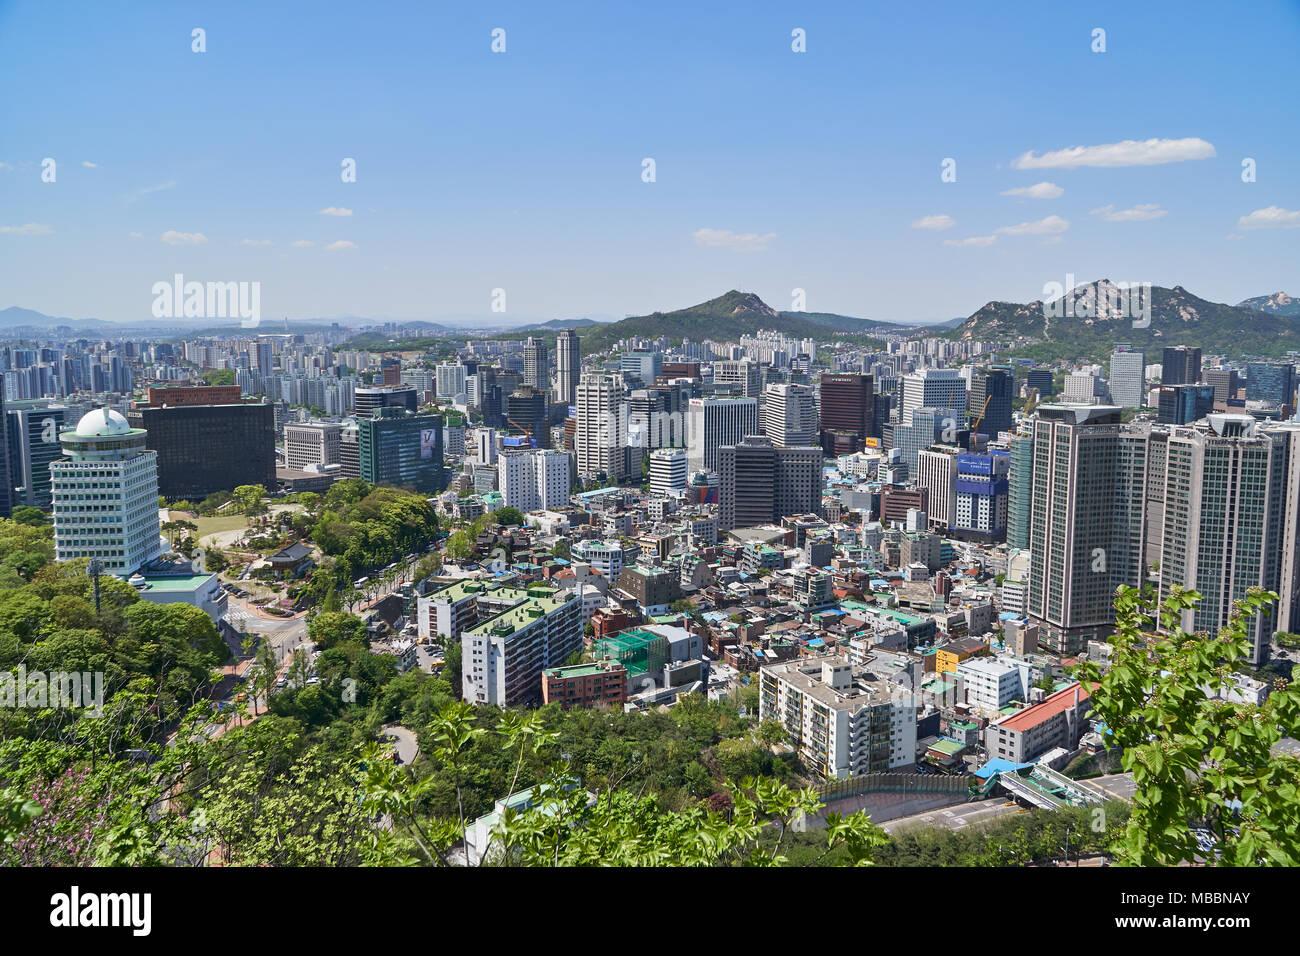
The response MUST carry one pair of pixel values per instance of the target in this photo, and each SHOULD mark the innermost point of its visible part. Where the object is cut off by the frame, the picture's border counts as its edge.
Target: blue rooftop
(998, 765)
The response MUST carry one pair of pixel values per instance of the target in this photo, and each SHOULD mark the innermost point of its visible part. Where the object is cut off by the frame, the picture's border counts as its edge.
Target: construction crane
(528, 432)
(971, 440)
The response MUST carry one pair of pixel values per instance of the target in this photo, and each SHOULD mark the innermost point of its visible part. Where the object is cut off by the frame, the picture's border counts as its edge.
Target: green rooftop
(518, 617)
(175, 583)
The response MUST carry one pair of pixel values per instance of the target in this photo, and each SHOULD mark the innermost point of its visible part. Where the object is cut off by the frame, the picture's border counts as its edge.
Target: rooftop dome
(101, 423)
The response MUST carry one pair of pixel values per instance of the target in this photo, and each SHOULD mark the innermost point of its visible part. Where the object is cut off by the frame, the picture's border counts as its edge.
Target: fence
(892, 783)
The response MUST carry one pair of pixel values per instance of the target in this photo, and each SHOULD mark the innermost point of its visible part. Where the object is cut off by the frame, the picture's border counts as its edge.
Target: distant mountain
(15, 317)
(727, 317)
(1278, 303)
(843, 323)
(1072, 328)
(556, 325)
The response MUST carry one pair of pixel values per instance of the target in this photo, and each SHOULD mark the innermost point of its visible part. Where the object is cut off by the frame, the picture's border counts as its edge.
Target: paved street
(955, 818)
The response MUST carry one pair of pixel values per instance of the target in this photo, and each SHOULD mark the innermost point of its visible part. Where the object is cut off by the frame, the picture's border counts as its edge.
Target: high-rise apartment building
(536, 480)
(503, 657)
(537, 364)
(600, 439)
(568, 367)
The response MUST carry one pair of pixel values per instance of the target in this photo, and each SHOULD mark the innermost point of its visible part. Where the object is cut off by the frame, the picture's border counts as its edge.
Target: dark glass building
(207, 448)
(1181, 366)
(990, 393)
(527, 409)
(847, 407)
(1183, 404)
(402, 450)
(1270, 382)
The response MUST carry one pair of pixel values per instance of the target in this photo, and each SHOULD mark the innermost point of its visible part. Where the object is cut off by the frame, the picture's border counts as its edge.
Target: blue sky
(522, 170)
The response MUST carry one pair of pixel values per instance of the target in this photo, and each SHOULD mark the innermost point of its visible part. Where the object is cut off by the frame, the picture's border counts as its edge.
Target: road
(954, 818)
(404, 738)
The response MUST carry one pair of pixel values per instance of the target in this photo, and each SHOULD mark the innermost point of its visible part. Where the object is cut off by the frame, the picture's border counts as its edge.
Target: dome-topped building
(105, 494)
(102, 423)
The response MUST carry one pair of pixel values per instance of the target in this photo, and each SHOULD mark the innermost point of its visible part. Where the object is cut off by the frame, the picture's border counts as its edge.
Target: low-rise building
(1058, 721)
(585, 685)
(842, 720)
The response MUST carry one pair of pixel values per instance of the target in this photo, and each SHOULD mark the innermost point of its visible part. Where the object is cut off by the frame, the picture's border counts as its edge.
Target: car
(312, 680)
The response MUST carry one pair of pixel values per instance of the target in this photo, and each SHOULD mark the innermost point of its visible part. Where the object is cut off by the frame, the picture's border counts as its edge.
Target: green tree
(331, 628)
(25, 514)
(1197, 760)
(508, 516)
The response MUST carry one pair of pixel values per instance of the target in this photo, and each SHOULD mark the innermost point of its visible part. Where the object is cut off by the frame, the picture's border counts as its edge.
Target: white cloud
(302, 243)
(27, 229)
(1036, 191)
(1271, 217)
(174, 238)
(335, 211)
(735, 241)
(1130, 152)
(1039, 227)
(938, 223)
(254, 242)
(340, 244)
(972, 241)
(1052, 241)
(136, 235)
(146, 190)
(1233, 237)
(89, 165)
(1139, 213)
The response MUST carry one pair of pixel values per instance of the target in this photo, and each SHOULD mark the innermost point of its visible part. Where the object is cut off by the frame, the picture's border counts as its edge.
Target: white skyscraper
(1126, 368)
(932, 387)
(714, 422)
(790, 415)
(568, 367)
(106, 494)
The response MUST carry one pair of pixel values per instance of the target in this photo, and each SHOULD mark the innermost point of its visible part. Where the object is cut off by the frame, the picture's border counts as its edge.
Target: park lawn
(212, 525)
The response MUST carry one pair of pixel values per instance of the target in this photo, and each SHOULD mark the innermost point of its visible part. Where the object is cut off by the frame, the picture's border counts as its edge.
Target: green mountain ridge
(1073, 328)
(729, 316)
